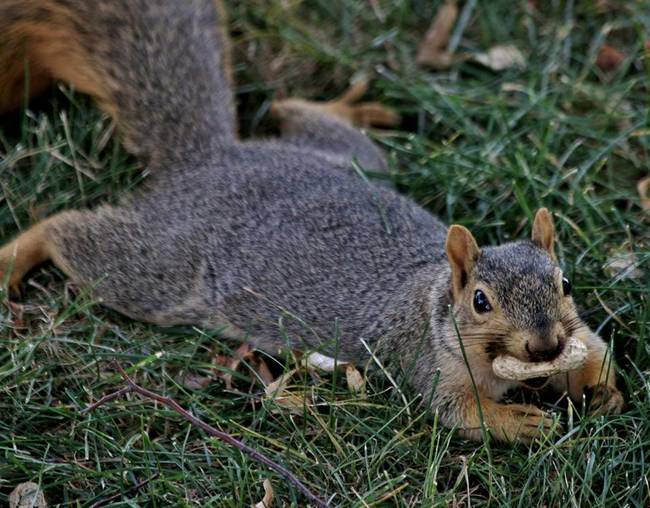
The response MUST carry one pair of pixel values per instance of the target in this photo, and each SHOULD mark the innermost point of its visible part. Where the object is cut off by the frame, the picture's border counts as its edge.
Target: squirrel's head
(512, 298)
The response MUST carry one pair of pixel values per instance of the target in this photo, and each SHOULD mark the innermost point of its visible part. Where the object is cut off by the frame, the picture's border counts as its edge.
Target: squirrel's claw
(520, 422)
(530, 422)
(606, 400)
(511, 422)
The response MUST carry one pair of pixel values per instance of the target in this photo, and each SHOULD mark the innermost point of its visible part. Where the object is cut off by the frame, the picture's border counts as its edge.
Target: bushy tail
(157, 66)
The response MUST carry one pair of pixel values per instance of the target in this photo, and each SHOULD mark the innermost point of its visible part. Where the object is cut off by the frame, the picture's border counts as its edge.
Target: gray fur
(279, 242)
(530, 285)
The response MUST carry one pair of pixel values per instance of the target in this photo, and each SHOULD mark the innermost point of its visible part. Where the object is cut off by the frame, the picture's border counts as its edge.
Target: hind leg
(30, 249)
(330, 126)
(345, 107)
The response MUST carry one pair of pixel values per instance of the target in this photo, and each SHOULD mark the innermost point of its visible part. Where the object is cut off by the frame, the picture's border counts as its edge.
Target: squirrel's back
(281, 232)
(157, 66)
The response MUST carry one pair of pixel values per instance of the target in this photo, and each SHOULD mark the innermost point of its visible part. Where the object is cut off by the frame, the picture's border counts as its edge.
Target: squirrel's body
(281, 233)
(280, 243)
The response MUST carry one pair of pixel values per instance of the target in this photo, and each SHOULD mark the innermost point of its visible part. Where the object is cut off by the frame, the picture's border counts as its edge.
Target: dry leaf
(318, 361)
(230, 364)
(278, 393)
(193, 381)
(609, 58)
(501, 57)
(27, 495)
(242, 353)
(264, 372)
(356, 382)
(623, 265)
(432, 50)
(513, 87)
(643, 187)
(267, 500)
(17, 313)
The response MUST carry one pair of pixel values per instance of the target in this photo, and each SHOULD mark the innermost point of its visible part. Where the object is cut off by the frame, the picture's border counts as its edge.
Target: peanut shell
(572, 357)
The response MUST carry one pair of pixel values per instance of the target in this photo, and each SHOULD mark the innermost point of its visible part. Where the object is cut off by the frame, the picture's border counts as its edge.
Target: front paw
(604, 400)
(511, 422)
(522, 422)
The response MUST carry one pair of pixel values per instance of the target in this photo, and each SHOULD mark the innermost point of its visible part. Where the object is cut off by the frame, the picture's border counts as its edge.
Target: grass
(476, 147)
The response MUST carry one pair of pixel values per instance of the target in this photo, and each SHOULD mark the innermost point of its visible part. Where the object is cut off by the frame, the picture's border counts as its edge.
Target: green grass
(571, 138)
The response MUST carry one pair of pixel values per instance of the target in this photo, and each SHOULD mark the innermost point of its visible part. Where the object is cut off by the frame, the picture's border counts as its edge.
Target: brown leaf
(264, 372)
(243, 352)
(432, 50)
(643, 187)
(501, 57)
(267, 500)
(227, 365)
(623, 265)
(356, 382)
(277, 392)
(17, 313)
(27, 495)
(194, 381)
(223, 361)
(609, 58)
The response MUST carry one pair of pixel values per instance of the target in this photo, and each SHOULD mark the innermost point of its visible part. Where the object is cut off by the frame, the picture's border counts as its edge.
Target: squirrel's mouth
(536, 383)
(545, 356)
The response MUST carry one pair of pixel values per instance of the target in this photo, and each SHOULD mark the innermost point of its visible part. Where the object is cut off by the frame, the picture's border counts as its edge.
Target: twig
(134, 488)
(223, 436)
(107, 398)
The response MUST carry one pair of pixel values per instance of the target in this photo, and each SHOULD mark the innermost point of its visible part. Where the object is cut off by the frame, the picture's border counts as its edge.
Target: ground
(477, 147)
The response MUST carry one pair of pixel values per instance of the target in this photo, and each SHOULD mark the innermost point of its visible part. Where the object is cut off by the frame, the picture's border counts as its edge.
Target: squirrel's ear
(462, 252)
(544, 231)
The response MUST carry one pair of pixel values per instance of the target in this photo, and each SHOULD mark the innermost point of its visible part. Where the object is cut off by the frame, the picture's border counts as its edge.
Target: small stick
(134, 488)
(223, 436)
(106, 398)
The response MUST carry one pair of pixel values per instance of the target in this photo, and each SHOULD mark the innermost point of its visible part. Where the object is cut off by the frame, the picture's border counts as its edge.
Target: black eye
(566, 286)
(481, 303)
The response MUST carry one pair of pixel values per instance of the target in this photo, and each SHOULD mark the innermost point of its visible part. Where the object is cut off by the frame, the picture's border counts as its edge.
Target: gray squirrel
(279, 242)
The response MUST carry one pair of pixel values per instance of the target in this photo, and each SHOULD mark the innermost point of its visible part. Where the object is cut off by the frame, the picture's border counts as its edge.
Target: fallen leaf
(264, 372)
(27, 495)
(623, 265)
(277, 392)
(17, 313)
(501, 57)
(513, 87)
(643, 187)
(432, 50)
(318, 361)
(356, 381)
(609, 58)
(231, 364)
(194, 381)
(267, 500)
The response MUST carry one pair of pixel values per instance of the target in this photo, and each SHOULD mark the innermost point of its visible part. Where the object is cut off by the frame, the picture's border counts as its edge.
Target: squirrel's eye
(481, 303)
(566, 286)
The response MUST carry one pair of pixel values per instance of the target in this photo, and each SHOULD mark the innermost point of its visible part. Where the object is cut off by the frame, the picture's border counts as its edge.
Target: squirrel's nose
(544, 350)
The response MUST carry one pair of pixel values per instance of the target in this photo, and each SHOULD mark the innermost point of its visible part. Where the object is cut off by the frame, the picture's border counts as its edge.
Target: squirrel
(280, 242)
